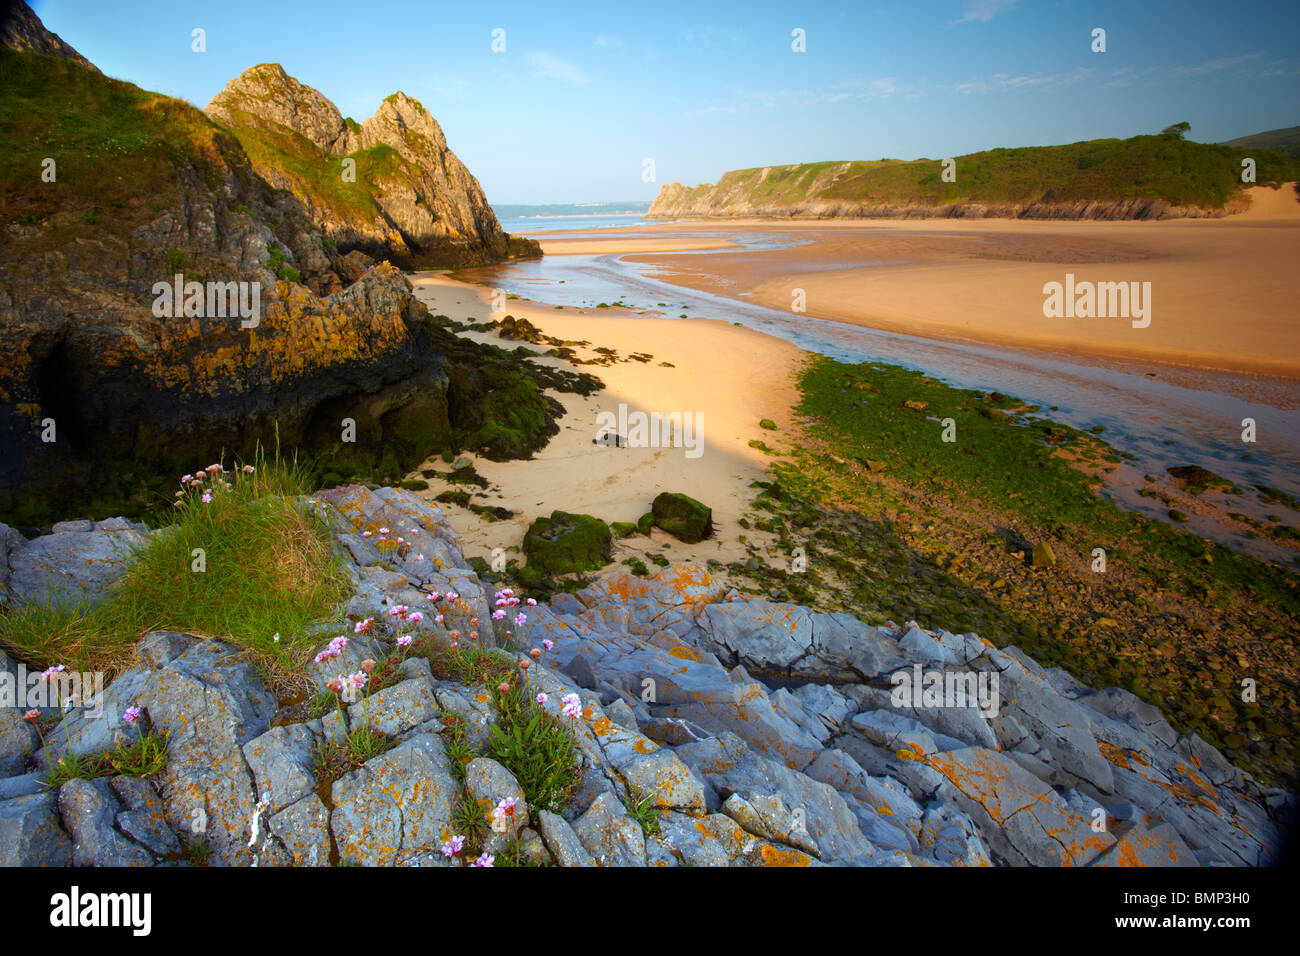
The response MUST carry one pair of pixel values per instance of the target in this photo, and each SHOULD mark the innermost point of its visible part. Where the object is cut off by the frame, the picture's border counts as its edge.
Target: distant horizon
(579, 104)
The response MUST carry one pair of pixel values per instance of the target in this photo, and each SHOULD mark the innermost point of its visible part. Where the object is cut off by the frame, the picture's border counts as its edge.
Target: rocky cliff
(21, 29)
(111, 191)
(390, 186)
(706, 728)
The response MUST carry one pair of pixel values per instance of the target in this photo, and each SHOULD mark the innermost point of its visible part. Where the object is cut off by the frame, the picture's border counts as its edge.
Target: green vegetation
(107, 137)
(1279, 140)
(534, 746)
(682, 516)
(340, 755)
(252, 567)
(946, 533)
(642, 809)
(146, 756)
(566, 544)
(1164, 167)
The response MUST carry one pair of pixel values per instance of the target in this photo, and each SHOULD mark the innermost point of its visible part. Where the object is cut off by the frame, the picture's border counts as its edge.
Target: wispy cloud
(849, 90)
(1008, 82)
(982, 11)
(547, 66)
(1220, 64)
(607, 42)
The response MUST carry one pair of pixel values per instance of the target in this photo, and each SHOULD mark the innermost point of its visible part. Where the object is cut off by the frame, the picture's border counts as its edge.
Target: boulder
(682, 517)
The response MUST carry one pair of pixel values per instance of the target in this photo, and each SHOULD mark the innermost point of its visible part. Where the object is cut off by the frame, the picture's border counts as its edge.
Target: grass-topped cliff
(98, 392)
(389, 186)
(1141, 177)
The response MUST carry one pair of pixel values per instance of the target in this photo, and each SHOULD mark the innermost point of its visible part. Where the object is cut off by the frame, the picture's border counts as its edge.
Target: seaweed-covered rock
(682, 516)
(566, 543)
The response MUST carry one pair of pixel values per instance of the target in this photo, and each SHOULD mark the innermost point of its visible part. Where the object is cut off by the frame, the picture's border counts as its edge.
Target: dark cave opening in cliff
(61, 398)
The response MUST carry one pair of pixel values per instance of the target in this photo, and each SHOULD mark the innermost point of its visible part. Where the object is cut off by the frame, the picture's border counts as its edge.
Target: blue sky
(581, 97)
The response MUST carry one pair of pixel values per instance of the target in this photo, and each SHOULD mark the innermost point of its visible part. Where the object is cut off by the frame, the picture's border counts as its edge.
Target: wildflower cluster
(209, 482)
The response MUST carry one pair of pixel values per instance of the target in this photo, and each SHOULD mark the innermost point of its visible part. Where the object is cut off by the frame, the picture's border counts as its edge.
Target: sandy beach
(728, 378)
(1223, 292)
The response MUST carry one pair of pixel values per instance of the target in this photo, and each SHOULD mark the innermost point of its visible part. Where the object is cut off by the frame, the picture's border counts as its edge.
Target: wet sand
(1223, 293)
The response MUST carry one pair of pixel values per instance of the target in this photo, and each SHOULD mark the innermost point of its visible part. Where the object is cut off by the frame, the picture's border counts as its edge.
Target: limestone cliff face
(102, 393)
(21, 29)
(411, 199)
(1065, 182)
(730, 200)
(269, 95)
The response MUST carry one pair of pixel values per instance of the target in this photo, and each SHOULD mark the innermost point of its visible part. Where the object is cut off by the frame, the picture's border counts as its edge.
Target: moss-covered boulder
(567, 543)
(682, 517)
(623, 529)
(645, 522)
(1041, 556)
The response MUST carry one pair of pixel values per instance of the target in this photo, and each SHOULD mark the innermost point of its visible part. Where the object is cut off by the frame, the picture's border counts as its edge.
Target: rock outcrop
(108, 374)
(21, 29)
(390, 186)
(753, 733)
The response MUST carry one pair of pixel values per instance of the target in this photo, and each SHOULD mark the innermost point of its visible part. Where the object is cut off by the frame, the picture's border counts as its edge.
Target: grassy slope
(108, 139)
(267, 578)
(316, 175)
(938, 536)
(1280, 140)
(1144, 167)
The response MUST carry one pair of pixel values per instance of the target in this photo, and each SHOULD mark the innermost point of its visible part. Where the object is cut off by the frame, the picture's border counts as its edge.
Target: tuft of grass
(251, 564)
(144, 757)
(335, 758)
(73, 766)
(641, 808)
(536, 747)
(469, 819)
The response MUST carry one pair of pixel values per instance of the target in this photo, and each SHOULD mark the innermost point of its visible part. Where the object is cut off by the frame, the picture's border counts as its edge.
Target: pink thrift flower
(486, 859)
(131, 715)
(453, 846)
(48, 673)
(541, 699)
(548, 644)
(404, 640)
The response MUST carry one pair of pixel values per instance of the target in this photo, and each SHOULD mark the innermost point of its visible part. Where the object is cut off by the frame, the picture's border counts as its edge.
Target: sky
(583, 94)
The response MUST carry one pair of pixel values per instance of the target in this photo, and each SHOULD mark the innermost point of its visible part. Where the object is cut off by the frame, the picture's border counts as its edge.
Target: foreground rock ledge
(822, 769)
